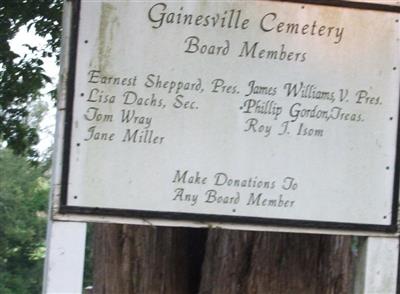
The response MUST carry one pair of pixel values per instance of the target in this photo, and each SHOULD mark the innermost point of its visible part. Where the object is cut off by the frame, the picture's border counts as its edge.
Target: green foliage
(22, 77)
(23, 202)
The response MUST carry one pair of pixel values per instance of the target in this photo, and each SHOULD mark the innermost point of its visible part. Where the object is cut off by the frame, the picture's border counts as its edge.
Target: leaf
(22, 78)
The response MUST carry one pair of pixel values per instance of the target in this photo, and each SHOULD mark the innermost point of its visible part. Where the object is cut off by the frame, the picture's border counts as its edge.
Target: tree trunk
(147, 260)
(253, 262)
(137, 259)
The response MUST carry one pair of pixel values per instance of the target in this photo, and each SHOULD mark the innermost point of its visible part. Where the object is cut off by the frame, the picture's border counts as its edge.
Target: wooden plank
(65, 257)
(64, 264)
(378, 266)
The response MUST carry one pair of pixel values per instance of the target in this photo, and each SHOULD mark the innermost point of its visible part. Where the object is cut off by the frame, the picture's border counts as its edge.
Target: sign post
(65, 258)
(65, 244)
(377, 269)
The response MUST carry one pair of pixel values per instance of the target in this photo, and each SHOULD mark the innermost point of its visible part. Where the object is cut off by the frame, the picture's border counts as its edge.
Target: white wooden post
(65, 258)
(378, 266)
(381, 265)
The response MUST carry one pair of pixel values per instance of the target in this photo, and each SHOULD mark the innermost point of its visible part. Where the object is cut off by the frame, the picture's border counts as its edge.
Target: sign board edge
(61, 210)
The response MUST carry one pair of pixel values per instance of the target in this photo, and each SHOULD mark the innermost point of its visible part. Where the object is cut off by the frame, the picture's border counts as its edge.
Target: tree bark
(147, 260)
(136, 259)
(254, 262)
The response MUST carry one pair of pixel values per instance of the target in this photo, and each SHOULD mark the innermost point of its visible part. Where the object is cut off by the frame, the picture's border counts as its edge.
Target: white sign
(249, 112)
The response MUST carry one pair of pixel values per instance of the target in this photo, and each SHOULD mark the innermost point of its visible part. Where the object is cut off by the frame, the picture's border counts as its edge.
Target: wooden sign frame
(62, 211)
